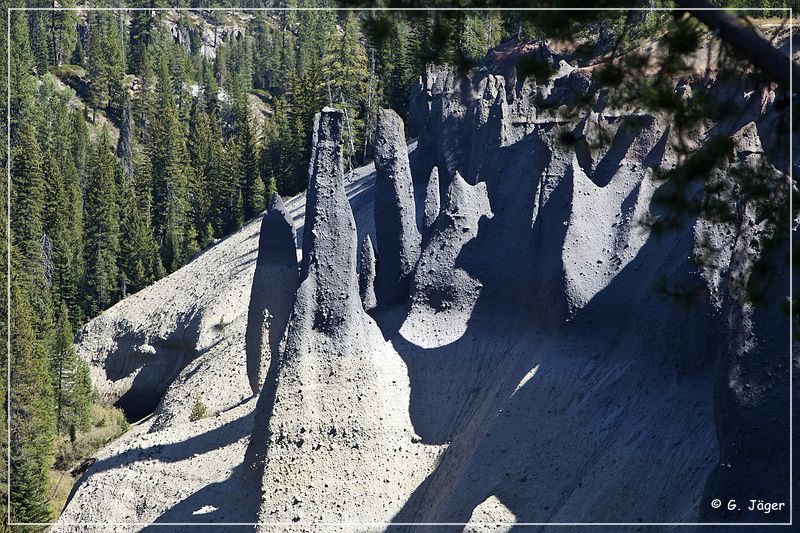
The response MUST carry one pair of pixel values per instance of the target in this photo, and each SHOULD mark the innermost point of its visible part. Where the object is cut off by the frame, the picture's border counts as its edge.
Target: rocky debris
(491, 516)
(272, 296)
(398, 238)
(366, 274)
(432, 200)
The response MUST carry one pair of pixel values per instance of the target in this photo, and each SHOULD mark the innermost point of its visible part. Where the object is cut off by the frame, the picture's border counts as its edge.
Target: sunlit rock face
(432, 204)
(366, 274)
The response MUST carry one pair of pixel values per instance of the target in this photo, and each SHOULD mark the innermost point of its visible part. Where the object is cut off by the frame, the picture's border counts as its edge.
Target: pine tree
(79, 141)
(346, 69)
(82, 393)
(251, 185)
(141, 34)
(78, 54)
(63, 31)
(32, 420)
(223, 183)
(64, 371)
(169, 160)
(271, 189)
(105, 64)
(101, 229)
(40, 41)
(64, 213)
(27, 195)
(23, 85)
(98, 82)
(312, 28)
(114, 62)
(210, 88)
(125, 142)
(228, 176)
(136, 239)
(199, 145)
(284, 150)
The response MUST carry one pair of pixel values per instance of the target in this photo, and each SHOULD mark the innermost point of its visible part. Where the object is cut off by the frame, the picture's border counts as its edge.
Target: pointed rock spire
(432, 200)
(325, 175)
(395, 215)
(272, 296)
(338, 393)
(329, 235)
(440, 284)
(366, 276)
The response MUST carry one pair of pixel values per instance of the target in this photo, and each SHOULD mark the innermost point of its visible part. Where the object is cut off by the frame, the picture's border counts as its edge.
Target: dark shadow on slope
(152, 382)
(538, 426)
(255, 456)
(244, 265)
(439, 398)
(628, 131)
(751, 408)
(141, 401)
(155, 376)
(221, 502)
(625, 325)
(171, 453)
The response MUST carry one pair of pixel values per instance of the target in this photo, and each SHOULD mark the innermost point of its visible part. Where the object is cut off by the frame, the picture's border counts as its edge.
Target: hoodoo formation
(272, 297)
(335, 409)
(366, 274)
(395, 214)
(516, 364)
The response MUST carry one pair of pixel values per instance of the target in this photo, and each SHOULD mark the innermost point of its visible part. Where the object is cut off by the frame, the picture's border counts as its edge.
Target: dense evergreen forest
(138, 138)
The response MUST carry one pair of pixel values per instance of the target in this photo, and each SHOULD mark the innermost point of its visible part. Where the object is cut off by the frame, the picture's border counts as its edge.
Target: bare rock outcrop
(169, 467)
(395, 212)
(366, 274)
(334, 406)
(272, 297)
(441, 287)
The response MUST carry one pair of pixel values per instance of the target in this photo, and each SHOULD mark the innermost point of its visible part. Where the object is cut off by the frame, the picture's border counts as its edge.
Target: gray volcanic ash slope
(510, 361)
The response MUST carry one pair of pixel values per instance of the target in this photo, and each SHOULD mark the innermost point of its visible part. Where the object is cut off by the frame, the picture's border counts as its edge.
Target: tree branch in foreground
(746, 41)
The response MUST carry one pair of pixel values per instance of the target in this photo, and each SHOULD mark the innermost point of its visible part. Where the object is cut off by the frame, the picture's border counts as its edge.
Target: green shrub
(199, 411)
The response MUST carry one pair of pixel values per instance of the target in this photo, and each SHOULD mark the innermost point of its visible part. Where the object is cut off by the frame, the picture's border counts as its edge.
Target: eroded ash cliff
(499, 352)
